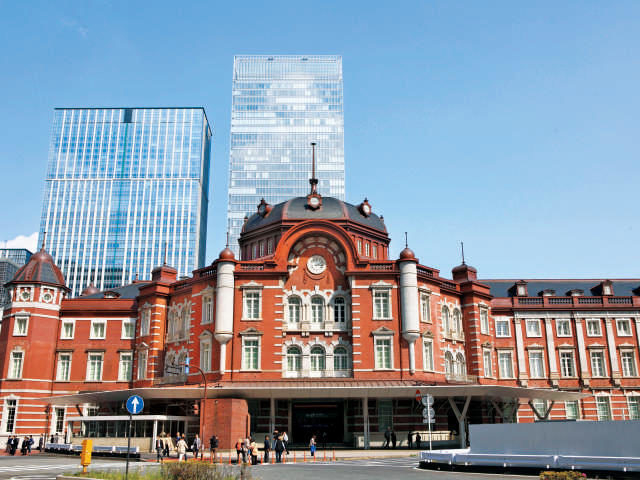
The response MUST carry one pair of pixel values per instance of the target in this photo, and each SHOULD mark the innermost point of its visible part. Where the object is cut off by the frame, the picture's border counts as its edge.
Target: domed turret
(40, 269)
(407, 254)
(226, 254)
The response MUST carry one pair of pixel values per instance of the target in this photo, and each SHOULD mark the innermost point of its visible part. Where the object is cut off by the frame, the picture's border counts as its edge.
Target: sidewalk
(303, 454)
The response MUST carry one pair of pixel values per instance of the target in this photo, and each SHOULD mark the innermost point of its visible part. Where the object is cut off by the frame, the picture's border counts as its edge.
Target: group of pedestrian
(247, 449)
(13, 442)
(165, 444)
(390, 438)
(410, 440)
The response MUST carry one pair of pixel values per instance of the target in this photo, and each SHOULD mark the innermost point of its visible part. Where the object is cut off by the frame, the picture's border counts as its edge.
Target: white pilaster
(582, 352)
(551, 351)
(522, 361)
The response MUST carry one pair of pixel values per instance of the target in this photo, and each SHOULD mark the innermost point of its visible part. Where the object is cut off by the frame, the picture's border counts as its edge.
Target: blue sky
(511, 126)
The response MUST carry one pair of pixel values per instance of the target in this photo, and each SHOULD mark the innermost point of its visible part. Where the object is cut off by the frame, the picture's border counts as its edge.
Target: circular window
(317, 264)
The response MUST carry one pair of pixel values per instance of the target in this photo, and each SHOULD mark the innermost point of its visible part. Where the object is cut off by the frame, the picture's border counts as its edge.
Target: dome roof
(40, 269)
(463, 268)
(90, 290)
(226, 254)
(297, 209)
(407, 254)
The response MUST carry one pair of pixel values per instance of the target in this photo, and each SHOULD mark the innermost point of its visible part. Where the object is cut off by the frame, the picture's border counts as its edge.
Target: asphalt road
(46, 467)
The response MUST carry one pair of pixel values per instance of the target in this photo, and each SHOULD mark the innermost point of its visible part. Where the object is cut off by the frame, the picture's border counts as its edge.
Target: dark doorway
(323, 419)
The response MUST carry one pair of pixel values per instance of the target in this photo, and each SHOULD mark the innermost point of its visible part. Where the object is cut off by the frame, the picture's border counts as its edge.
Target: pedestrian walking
(196, 446)
(14, 444)
(410, 440)
(213, 447)
(30, 445)
(279, 449)
(41, 443)
(312, 445)
(168, 446)
(23, 448)
(418, 440)
(394, 439)
(246, 450)
(254, 452)
(387, 438)
(159, 449)
(239, 449)
(267, 448)
(181, 447)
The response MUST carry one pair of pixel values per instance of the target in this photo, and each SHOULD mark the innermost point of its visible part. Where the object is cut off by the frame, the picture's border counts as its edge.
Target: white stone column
(224, 308)
(582, 352)
(410, 308)
(522, 361)
(551, 351)
(611, 346)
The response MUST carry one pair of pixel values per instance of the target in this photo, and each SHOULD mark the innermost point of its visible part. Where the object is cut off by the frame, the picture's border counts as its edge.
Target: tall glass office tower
(280, 104)
(123, 186)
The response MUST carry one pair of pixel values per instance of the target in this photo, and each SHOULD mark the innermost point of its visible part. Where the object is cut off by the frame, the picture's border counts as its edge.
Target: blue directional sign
(135, 404)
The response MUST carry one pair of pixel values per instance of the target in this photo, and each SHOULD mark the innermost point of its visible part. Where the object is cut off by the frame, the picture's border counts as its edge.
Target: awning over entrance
(321, 389)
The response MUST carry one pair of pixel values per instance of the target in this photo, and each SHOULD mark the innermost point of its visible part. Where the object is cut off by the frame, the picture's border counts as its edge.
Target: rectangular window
(94, 367)
(63, 369)
(484, 321)
(505, 365)
(383, 353)
(604, 408)
(145, 324)
(502, 328)
(250, 354)
(428, 355)
(623, 326)
(207, 309)
(205, 355)
(488, 367)
(536, 364)
(10, 412)
(425, 307)
(533, 327)
(262, 249)
(385, 415)
(20, 326)
(567, 365)
(374, 248)
(593, 327)
(270, 246)
(15, 368)
(628, 363)
(359, 247)
(128, 328)
(598, 368)
(251, 305)
(59, 412)
(125, 366)
(142, 364)
(366, 249)
(563, 327)
(66, 333)
(634, 407)
(381, 304)
(98, 329)
(571, 409)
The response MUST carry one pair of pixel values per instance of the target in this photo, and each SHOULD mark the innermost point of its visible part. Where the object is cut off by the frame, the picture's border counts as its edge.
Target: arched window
(457, 321)
(317, 359)
(340, 359)
(446, 324)
(294, 309)
(339, 310)
(317, 310)
(294, 359)
(461, 365)
(448, 363)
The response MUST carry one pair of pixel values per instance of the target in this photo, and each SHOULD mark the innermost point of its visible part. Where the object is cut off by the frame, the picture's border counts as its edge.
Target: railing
(530, 301)
(382, 266)
(251, 267)
(460, 378)
(620, 300)
(560, 301)
(590, 300)
(425, 272)
(208, 272)
(451, 285)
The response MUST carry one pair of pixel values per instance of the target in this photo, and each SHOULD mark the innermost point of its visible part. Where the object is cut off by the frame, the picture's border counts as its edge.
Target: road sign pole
(126, 472)
(430, 440)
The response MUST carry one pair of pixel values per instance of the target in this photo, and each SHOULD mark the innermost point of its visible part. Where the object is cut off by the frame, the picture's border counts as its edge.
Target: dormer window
(521, 288)
(548, 293)
(607, 287)
(576, 293)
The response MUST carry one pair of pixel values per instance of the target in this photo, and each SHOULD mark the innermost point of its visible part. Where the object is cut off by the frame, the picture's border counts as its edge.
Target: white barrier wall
(616, 439)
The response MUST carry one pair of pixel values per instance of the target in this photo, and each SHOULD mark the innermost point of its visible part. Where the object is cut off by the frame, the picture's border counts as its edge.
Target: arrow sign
(135, 404)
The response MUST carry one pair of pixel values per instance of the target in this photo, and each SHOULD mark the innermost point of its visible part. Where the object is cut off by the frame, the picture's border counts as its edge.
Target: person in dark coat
(14, 447)
(267, 448)
(279, 449)
(213, 446)
(418, 440)
(40, 443)
(394, 439)
(159, 449)
(387, 438)
(410, 440)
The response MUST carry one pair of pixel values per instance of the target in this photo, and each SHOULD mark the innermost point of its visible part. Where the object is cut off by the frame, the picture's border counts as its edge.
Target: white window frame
(143, 364)
(499, 331)
(145, 322)
(207, 309)
(18, 320)
(624, 365)
(59, 376)
(104, 332)
(205, 363)
(539, 354)
(298, 307)
(427, 359)
(315, 320)
(58, 419)
(484, 320)
(388, 338)
(559, 329)
(566, 410)
(322, 362)
(635, 399)
(367, 249)
(5, 414)
(131, 322)
(571, 354)
(594, 332)
(73, 329)
(336, 362)
(293, 360)
(533, 327)
(606, 403)
(603, 358)
(487, 363)
(623, 332)
(425, 307)
(381, 293)
(121, 362)
(245, 339)
(246, 313)
(12, 374)
(336, 307)
(89, 355)
(501, 372)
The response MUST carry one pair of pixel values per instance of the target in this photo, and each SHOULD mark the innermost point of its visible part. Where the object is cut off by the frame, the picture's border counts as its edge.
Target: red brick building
(314, 330)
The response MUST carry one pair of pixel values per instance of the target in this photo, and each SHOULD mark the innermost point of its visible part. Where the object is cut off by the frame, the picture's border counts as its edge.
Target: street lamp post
(202, 407)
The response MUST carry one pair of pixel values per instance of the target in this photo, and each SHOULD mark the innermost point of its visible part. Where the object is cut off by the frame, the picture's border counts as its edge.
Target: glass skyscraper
(280, 104)
(123, 186)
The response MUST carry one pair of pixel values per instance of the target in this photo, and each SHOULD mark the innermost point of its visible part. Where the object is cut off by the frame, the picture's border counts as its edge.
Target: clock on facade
(316, 264)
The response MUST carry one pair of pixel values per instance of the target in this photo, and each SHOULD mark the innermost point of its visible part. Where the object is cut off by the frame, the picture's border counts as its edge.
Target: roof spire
(227, 238)
(313, 180)
(44, 239)
(406, 240)
(164, 261)
(462, 247)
